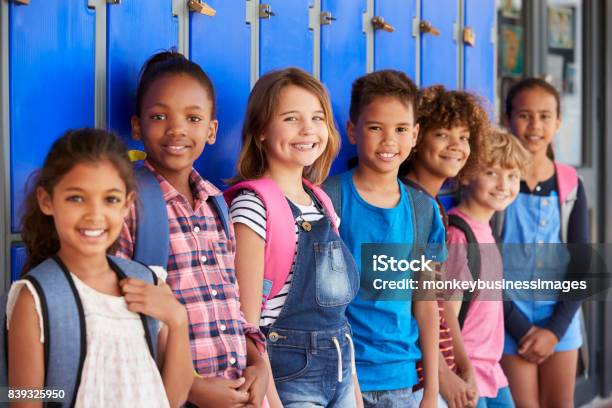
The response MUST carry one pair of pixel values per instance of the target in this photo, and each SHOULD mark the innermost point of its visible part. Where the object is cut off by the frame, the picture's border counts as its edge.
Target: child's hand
(218, 392)
(456, 392)
(256, 383)
(537, 345)
(156, 301)
(470, 379)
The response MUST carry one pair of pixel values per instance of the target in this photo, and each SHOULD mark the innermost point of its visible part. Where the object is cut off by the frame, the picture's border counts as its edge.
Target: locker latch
(113, 1)
(198, 6)
(265, 11)
(469, 36)
(426, 27)
(326, 18)
(379, 23)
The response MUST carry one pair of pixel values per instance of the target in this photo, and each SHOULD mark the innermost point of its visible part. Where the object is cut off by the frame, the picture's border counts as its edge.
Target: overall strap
(152, 246)
(129, 269)
(280, 232)
(220, 206)
(325, 200)
(63, 325)
(473, 254)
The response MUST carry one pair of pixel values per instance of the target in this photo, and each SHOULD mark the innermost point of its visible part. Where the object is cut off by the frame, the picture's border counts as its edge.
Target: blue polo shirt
(384, 332)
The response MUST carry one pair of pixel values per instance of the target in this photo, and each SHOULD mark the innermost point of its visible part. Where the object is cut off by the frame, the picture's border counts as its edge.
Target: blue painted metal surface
(227, 63)
(439, 54)
(479, 72)
(18, 256)
(285, 39)
(135, 31)
(343, 59)
(51, 80)
(396, 50)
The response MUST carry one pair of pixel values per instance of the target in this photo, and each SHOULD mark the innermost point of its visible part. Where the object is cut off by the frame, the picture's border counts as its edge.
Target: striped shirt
(202, 276)
(248, 209)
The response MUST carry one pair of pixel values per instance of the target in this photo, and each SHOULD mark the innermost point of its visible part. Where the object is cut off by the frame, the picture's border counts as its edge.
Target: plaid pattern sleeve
(202, 276)
(124, 247)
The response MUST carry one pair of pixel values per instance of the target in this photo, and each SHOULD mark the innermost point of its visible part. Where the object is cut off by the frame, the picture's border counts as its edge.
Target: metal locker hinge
(265, 11)
(379, 23)
(24, 2)
(326, 18)
(113, 1)
(198, 6)
(426, 28)
(469, 36)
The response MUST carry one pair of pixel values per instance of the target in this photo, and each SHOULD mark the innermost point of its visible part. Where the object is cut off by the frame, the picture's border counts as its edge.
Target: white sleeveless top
(119, 370)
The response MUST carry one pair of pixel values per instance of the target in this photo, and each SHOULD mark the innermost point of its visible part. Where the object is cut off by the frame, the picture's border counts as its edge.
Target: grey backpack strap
(64, 326)
(132, 269)
(333, 188)
(497, 225)
(422, 213)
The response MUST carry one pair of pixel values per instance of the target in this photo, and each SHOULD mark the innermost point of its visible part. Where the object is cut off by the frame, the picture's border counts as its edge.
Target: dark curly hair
(440, 108)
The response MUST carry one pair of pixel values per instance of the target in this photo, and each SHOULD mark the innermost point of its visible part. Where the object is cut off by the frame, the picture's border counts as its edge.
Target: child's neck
(84, 267)
(180, 181)
(475, 211)
(540, 169)
(430, 182)
(379, 189)
(290, 183)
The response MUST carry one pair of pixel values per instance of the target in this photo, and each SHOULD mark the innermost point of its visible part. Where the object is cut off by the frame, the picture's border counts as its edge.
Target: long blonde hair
(262, 104)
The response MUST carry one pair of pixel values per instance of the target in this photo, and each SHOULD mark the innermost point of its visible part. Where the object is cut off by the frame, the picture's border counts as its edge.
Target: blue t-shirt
(384, 332)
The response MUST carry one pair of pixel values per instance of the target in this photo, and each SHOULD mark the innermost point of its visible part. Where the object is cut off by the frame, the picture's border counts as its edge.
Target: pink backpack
(280, 228)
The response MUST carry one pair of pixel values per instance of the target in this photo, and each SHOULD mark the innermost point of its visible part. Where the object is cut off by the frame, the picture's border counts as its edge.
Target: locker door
(18, 255)
(343, 59)
(128, 48)
(439, 53)
(51, 63)
(397, 49)
(479, 60)
(226, 61)
(285, 39)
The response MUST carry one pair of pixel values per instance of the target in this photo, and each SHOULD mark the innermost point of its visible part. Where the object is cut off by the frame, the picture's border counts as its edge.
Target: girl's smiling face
(443, 152)
(534, 119)
(297, 133)
(88, 206)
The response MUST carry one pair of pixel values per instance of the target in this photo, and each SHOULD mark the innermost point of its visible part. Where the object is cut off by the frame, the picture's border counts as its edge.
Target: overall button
(196, 229)
(273, 337)
(306, 226)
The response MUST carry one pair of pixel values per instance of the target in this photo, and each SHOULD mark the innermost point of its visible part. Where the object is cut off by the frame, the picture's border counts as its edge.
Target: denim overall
(309, 344)
(535, 223)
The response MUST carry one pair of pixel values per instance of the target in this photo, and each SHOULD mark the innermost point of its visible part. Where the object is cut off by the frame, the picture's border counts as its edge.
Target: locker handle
(426, 27)
(327, 18)
(379, 23)
(469, 36)
(24, 2)
(265, 11)
(198, 6)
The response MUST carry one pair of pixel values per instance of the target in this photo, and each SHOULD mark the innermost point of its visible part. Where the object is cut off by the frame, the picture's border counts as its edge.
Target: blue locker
(128, 48)
(227, 64)
(51, 81)
(18, 256)
(397, 49)
(285, 39)
(479, 60)
(439, 53)
(343, 59)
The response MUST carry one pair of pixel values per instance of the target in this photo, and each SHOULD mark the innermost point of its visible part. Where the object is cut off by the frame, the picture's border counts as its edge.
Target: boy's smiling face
(493, 188)
(384, 134)
(444, 152)
(175, 124)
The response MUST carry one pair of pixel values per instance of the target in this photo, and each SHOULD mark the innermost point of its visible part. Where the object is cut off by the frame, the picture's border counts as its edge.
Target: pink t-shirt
(483, 329)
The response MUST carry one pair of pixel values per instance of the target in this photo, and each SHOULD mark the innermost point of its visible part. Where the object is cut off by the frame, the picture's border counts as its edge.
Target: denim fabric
(401, 398)
(502, 400)
(309, 344)
(418, 397)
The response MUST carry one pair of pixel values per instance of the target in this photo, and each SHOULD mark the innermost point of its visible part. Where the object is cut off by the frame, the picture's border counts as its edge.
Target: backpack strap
(129, 269)
(422, 205)
(63, 326)
(333, 188)
(473, 254)
(280, 232)
(220, 206)
(567, 184)
(152, 246)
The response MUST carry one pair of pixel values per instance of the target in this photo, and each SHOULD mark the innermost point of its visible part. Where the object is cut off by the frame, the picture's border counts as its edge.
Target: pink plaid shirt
(202, 276)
